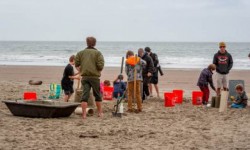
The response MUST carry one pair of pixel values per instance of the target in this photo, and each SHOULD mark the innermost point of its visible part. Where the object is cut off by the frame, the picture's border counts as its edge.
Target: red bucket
(178, 96)
(108, 93)
(169, 100)
(30, 96)
(197, 97)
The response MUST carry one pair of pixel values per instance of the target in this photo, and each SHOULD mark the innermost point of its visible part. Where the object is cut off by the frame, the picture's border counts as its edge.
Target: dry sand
(182, 127)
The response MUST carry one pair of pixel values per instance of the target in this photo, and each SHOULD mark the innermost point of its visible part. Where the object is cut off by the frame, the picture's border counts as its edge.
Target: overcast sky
(126, 20)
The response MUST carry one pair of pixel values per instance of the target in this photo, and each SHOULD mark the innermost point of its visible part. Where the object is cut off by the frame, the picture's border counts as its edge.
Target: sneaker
(130, 110)
(138, 111)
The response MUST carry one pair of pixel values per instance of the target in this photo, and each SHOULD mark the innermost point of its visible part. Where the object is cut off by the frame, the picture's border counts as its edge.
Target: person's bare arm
(75, 77)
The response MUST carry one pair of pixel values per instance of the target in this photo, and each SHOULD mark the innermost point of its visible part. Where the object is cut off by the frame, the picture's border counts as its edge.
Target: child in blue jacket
(119, 86)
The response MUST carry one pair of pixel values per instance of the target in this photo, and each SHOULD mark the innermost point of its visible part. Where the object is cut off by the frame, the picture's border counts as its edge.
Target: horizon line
(126, 41)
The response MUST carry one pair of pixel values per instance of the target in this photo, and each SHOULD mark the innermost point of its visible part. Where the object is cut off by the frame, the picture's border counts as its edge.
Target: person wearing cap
(154, 79)
(224, 63)
(204, 80)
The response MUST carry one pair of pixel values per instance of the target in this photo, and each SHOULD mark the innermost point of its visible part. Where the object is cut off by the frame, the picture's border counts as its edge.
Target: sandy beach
(181, 127)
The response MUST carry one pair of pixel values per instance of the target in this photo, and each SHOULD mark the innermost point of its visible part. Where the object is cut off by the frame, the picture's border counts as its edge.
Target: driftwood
(89, 111)
(31, 82)
(88, 136)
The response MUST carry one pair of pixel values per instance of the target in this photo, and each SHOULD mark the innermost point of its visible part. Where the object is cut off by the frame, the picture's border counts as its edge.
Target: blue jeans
(237, 105)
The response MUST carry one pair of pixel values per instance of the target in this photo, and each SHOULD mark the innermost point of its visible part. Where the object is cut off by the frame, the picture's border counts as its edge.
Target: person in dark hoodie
(224, 63)
(154, 79)
(147, 71)
(205, 79)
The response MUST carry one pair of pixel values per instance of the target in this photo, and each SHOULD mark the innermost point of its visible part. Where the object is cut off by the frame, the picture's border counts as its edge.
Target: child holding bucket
(134, 72)
(205, 79)
(241, 99)
(67, 81)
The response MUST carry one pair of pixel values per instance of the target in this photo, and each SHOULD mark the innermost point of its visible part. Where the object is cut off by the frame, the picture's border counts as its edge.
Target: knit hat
(147, 49)
(222, 44)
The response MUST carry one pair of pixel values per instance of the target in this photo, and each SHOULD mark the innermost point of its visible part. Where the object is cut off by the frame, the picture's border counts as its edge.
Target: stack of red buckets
(176, 97)
(172, 98)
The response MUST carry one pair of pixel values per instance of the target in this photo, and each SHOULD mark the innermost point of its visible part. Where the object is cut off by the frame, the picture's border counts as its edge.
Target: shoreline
(184, 79)
(115, 67)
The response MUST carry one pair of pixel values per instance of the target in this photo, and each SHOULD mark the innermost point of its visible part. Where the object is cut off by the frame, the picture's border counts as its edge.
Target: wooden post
(223, 101)
(135, 74)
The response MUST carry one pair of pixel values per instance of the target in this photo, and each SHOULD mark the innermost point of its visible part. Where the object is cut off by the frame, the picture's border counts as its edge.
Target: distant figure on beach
(67, 81)
(206, 78)
(134, 72)
(241, 99)
(119, 86)
(90, 62)
(154, 79)
(224, 63)
(249, 55)
(147, 72)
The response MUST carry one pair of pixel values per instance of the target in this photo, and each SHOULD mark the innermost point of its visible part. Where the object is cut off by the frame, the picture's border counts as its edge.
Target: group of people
(141, 69)
(142, 72)
(222, 64)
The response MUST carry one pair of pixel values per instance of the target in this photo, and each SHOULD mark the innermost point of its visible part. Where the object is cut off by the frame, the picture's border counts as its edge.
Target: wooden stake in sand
(135, 74)
(223, 101)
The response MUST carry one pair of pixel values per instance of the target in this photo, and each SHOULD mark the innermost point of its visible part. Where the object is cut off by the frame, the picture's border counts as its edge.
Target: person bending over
(204, 80)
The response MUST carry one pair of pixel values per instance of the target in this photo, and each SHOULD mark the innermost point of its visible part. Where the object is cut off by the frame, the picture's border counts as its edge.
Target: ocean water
(171, 54)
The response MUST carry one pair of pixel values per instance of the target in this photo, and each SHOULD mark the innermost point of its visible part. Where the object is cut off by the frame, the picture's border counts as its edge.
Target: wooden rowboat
(40, 109)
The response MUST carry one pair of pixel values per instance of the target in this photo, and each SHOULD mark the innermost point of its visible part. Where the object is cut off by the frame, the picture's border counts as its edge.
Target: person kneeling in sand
(134, 73)
(119, 87)
(90, 62)
(241, 99)
(205, 79)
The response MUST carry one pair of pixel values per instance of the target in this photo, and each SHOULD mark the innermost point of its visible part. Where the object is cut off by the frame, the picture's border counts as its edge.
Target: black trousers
(145, 91)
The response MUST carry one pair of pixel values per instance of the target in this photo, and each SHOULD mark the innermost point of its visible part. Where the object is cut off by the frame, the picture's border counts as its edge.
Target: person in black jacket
(154, 79)
(147, 72)
(224, 63)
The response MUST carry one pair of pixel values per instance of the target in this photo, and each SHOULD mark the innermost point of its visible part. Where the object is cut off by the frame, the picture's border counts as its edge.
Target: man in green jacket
(90, 63)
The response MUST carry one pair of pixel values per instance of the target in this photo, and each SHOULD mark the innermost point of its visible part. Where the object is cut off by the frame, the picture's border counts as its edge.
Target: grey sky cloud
(125, 20)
